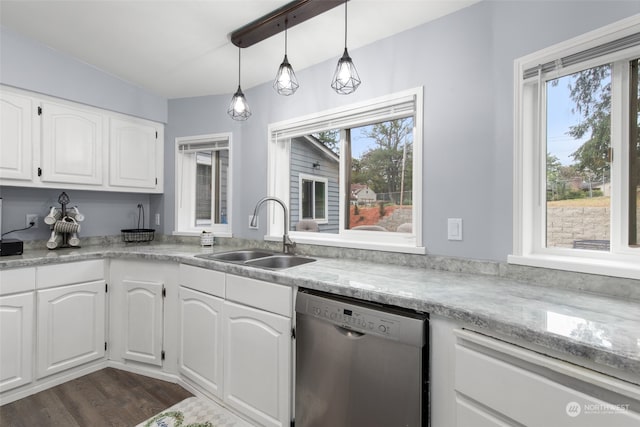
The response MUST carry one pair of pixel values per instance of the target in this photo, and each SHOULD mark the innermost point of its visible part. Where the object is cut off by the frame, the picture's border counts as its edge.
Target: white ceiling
(181, 48)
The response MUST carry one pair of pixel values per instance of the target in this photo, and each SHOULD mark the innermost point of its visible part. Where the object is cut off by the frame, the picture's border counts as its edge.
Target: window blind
(623, 43)
(193, 146)
(360, 116)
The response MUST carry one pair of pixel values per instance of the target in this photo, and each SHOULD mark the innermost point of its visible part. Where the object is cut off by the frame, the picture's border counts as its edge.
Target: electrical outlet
(454, 228)
(32, 218)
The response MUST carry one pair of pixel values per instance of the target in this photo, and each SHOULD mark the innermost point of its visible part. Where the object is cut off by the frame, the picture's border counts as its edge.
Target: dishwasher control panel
(353, 317)
(364, 317)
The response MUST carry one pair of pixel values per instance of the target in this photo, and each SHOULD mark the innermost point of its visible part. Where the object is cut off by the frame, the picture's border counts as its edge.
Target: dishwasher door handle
(348, 332)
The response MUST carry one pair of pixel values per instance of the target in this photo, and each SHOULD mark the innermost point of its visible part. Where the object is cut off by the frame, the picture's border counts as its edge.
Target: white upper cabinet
(135, 153)
(52, 143)
(18, 117)
(72, 141)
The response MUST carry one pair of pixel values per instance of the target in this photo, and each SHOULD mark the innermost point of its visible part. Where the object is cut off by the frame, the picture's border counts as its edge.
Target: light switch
(454, 228)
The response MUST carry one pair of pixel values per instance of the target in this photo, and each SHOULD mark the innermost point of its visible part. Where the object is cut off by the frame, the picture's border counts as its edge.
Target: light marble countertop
(602, 330)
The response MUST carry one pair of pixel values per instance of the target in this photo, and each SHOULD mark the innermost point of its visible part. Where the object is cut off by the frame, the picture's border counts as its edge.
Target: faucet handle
(287, 244)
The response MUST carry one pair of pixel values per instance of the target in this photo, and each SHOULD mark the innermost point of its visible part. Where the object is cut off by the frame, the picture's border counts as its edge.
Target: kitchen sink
(277, 262)
(259, 258)
(238, 256)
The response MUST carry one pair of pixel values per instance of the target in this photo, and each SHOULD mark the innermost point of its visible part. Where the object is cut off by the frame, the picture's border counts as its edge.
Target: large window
(203, 197)
(351, 176)
(577, 176)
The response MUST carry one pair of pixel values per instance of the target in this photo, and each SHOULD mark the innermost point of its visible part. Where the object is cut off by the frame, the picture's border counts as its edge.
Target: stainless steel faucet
(287, 243)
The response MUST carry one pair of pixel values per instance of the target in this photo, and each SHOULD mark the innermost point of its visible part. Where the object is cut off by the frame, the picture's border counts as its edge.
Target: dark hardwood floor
(109, 397)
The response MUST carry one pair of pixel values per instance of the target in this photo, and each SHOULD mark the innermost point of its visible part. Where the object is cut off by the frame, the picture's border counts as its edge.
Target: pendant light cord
(286, 22)
(239, 50)
(345, 23)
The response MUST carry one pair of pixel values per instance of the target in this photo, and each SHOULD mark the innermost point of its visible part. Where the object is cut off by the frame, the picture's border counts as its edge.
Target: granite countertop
(604, 331)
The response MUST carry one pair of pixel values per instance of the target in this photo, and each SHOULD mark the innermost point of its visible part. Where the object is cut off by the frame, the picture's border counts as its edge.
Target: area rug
(194, 412)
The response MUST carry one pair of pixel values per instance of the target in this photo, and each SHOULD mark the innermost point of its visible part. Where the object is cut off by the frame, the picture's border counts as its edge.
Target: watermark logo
(573, 409)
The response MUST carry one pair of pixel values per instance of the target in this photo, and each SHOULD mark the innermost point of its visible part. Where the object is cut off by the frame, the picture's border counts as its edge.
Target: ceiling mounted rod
(273, 23)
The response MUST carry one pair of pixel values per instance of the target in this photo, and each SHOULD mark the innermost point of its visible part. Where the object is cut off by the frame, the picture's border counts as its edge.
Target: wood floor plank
(106, 398)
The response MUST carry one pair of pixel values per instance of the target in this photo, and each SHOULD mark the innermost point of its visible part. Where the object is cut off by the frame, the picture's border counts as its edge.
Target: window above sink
(352, 176)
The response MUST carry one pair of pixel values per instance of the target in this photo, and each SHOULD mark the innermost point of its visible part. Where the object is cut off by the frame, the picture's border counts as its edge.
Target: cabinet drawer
(208, 281)
(50, 276)
(18, 280)
(533, 399)
(259, 294)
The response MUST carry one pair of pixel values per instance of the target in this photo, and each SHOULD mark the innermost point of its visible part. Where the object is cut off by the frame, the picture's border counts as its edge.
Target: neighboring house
(361, 194)
(314, 192)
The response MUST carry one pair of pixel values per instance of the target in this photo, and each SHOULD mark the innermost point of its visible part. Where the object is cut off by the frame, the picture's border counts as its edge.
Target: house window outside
(352, 170)
(577, 185)
(313, 198)
(203, 185)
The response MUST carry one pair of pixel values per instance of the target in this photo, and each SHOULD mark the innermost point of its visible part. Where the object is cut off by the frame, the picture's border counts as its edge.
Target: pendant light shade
(345, 79)
(286, 82)
(239, 108)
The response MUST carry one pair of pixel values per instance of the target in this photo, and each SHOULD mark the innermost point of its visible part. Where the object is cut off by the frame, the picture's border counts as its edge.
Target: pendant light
(286, 82)
(345, 79)
(239, 108)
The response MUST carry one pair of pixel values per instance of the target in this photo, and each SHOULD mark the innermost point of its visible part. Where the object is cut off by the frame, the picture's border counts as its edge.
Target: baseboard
(48, 382)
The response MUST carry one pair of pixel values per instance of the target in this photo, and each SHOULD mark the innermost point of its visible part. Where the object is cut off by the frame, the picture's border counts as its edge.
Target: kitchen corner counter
(602, 331)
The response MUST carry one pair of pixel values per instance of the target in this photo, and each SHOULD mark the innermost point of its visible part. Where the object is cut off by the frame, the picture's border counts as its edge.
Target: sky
(559, 120)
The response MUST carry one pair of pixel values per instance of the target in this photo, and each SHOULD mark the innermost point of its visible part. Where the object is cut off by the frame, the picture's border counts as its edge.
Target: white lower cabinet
(200, 339)
(499, 384)
(16, 340)
(257, 358)
(143, 321)
(70, 326)
(235, 342)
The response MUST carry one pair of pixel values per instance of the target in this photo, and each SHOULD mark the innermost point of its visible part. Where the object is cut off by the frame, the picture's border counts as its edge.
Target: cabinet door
(257, 372)
(17, 118)
(143, 311)
(134, 148)
(71, 326)
(16, 340)
(72, 144)
(200, 348)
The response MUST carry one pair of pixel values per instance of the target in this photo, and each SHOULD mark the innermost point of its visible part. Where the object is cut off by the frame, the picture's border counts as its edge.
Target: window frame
(375, 110)
(529, 222)
(185, 191)
(307, 177)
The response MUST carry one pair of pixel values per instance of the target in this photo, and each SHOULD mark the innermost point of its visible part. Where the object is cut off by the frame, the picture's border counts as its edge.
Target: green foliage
(330, 138)
(381, 168)
(590, 90)
(575, 194)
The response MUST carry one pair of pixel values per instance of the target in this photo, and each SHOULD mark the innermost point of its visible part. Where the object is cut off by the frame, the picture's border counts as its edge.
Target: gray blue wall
(30, 65)
(464, 61)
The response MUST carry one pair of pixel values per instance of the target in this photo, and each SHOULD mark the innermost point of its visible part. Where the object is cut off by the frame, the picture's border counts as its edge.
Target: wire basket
(138, 235)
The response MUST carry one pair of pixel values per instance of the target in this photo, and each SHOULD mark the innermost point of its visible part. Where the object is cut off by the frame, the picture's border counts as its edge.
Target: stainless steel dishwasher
(359, 364)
